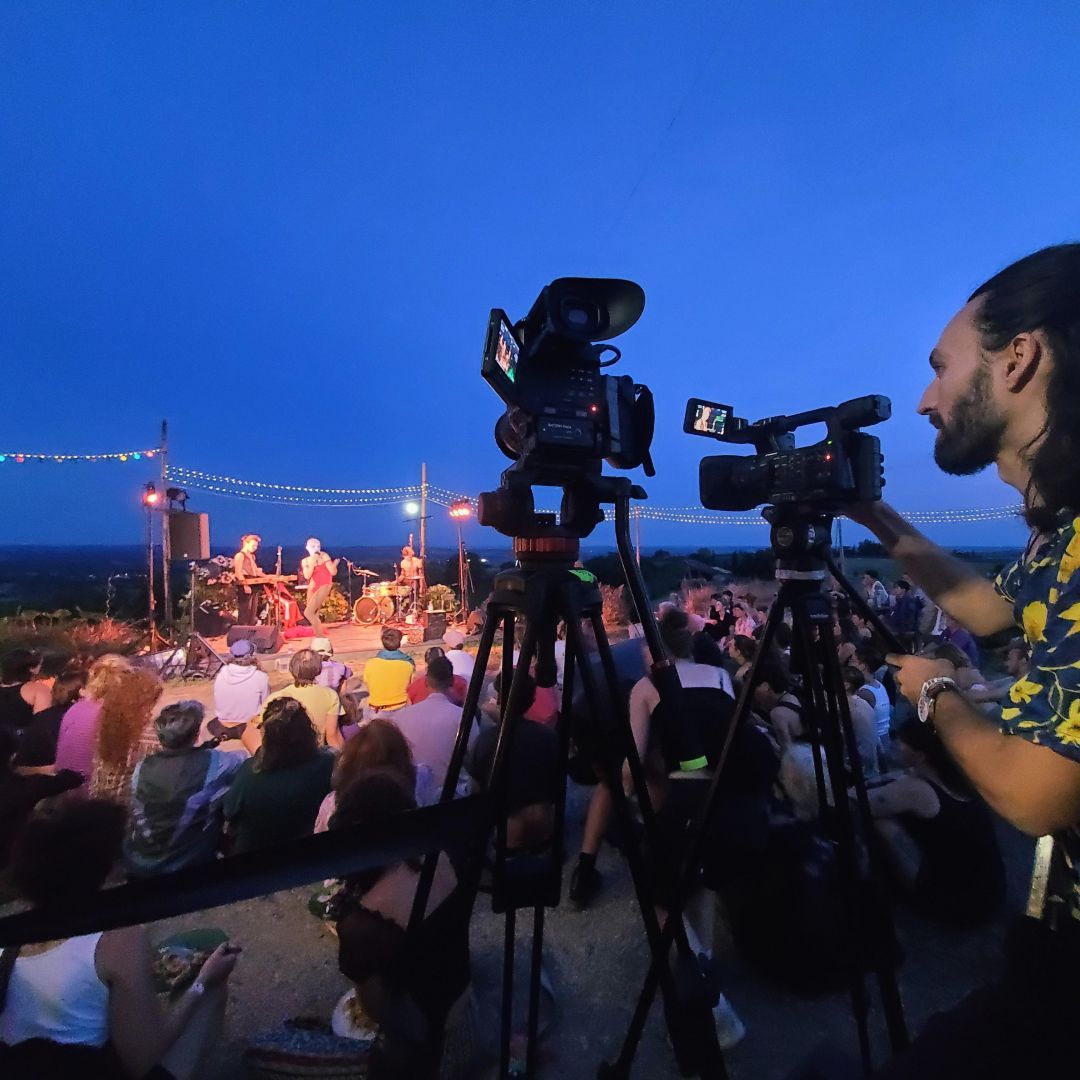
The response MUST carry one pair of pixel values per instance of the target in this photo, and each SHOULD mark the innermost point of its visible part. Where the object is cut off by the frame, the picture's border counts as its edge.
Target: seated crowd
(89, 760)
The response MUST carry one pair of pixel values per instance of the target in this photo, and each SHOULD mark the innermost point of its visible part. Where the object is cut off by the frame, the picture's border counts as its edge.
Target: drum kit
(383, 601)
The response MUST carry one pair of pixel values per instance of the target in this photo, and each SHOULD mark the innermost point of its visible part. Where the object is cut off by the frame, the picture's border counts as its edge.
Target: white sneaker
(730, 1030)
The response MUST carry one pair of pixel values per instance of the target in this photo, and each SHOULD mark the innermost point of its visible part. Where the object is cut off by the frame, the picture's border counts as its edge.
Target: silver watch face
(925, 702)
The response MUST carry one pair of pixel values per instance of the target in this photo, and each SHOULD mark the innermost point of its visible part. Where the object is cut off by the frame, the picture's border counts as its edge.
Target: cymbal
(361, 572)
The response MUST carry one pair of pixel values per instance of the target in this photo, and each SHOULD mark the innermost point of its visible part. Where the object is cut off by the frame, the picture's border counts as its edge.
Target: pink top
(320, 576)
(78, 737)
(545, 708)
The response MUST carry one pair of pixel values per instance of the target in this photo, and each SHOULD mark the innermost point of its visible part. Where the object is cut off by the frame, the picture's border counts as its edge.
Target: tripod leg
(507, 1019)
(534, 990)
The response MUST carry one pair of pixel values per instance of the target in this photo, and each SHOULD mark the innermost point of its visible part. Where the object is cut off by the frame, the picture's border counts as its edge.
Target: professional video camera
(845, 467)
(564, 417)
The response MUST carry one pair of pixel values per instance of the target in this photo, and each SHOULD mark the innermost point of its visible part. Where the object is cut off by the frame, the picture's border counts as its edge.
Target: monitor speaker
(266, 639)
(189, 535)
(436, 625)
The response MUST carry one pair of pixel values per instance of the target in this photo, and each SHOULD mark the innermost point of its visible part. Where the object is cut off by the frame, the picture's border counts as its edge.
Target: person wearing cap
(461, 661)
(240, 688)
(177, 796)
(333, 672)
(387, 675)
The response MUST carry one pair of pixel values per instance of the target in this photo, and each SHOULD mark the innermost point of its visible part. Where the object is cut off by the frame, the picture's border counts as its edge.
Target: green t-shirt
(267, 808)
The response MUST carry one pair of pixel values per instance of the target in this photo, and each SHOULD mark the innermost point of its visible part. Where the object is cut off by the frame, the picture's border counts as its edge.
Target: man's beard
(972, 437)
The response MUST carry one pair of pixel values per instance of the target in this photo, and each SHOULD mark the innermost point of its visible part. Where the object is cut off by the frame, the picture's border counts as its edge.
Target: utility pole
(423, 525)
(166, 546)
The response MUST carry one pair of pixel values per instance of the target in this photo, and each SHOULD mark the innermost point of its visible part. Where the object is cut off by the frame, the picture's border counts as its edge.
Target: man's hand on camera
(912, 673)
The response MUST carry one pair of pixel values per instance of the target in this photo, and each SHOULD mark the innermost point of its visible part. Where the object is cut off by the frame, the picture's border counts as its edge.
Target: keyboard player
(244, 568)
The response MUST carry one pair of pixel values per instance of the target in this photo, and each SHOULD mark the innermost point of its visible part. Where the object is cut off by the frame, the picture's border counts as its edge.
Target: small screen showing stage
(710, 419)
(507, 351)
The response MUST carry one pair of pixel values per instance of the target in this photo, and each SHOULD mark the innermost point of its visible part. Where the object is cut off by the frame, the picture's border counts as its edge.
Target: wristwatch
(928, 695)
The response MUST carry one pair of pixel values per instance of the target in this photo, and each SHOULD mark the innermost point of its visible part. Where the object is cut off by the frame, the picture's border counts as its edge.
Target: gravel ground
(596, 960)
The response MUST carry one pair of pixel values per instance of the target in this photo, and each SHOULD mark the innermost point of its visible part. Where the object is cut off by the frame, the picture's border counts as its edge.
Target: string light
(21, 456)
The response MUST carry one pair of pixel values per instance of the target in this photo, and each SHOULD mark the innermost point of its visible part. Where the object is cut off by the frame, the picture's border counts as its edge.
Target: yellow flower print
(1023, 690)
(1034, 621)
(1071, 559)
(1071, 614)
(1009, 714)
(1068, 731)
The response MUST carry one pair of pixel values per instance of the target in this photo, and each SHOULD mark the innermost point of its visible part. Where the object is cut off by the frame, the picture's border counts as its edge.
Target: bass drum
(369, 610)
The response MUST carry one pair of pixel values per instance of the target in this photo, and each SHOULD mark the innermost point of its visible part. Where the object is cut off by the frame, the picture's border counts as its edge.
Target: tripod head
(801, 540)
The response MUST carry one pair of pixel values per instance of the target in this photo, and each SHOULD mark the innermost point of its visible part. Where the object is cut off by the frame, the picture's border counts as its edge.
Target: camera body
(847, 466)
(561, 409)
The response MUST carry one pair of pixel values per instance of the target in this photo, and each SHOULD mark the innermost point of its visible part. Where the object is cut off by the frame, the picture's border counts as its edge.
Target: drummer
(411, 569)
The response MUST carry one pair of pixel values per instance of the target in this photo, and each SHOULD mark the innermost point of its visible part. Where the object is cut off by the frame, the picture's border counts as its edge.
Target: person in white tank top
(97, 989)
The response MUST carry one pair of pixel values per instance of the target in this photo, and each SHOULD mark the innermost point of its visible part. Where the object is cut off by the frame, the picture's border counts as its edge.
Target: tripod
(200, 660)
(800, 540)
(544, 590)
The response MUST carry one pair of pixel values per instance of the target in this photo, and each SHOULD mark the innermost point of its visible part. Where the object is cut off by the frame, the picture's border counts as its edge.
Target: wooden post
(423, 526)
(166, 546)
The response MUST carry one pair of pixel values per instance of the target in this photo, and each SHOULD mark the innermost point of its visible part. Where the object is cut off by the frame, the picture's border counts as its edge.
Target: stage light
(461, 509)
(412, 509)
(150, 496)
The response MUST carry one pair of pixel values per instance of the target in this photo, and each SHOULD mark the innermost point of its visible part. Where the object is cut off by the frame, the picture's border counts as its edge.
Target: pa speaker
(436, 625)
(189, 535)
(266, 639)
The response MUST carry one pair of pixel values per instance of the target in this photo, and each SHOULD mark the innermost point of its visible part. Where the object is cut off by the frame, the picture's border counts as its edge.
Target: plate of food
(177, 959)
(350, 1021)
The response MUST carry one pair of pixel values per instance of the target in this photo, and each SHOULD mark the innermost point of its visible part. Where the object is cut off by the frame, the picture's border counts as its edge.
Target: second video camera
(844, 467)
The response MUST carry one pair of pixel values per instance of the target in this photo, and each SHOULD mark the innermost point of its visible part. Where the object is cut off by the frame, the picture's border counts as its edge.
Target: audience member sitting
(742, 650)
(431, 726)
(37, 743)
(863, 722)
(125, 736)
(21, 693)
(320, 703)
(387, 675)
(407, 983)
(868, 659)
(277, 793)
(745, 620)
(176, 807)
(461, 661)
(966, 675)
(87, 1006)
(20, 794)
(117, 693)
(777, 704)
(418, 689)
(240, 688)
(543, 707)
(378, 744)
(644, 697)
(906, 613)
(940, 838)
(961, 638)
(1017, 665)
(532, 776)
(333, 672)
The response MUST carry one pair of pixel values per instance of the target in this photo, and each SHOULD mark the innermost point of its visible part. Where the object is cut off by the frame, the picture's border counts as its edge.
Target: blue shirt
(1044, 705)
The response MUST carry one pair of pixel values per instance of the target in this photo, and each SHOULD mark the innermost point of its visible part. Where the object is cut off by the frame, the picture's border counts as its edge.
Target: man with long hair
(1006, 392)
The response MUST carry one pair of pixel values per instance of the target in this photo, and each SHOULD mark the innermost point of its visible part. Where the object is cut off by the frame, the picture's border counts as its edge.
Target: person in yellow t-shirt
(322, 704)
(387, 675)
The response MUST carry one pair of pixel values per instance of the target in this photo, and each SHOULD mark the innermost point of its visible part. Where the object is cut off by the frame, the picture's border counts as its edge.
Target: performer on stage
(411, 572)
(319, 571)
(245, 566)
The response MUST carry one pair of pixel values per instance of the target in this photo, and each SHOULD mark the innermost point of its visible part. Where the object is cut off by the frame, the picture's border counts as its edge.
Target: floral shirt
(1044, 705)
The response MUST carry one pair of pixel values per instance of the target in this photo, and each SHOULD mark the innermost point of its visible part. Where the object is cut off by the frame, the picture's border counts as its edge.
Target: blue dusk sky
(281, 226)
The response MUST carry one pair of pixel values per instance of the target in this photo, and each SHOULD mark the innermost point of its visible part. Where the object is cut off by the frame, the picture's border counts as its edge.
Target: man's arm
(1032, 786)
(951, 583)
